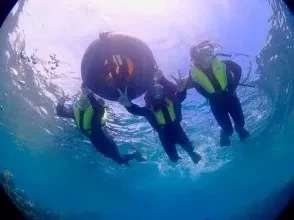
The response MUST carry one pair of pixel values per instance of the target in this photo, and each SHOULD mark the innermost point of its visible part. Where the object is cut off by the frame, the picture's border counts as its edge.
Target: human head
(156, 91)
(202, 54)
(82, 102)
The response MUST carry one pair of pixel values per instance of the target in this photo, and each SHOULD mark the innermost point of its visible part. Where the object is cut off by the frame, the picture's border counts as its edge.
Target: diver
(217, 81)
(162, 109)
(90, 116)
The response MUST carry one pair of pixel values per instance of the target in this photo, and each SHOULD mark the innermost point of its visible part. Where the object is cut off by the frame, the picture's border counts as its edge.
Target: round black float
(115, 61)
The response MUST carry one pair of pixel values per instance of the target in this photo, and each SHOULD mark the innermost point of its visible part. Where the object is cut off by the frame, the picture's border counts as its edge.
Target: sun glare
(143, 7)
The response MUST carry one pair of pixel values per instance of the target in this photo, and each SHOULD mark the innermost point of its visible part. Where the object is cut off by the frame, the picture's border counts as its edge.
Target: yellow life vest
(160, 116)
(219, 70)
(83, 119)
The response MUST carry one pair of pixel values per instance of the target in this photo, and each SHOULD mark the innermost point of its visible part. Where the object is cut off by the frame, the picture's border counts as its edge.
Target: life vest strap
(215, 83)
(86, 132)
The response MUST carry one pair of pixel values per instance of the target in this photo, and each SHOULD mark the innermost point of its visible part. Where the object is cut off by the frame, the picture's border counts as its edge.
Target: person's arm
(131, 107)
(169, 87)
(181, 95)
(189, 82)
(147, 99)
(145, 112)
(137, 110)
(63, 111)
(97, 105)
(234, 72)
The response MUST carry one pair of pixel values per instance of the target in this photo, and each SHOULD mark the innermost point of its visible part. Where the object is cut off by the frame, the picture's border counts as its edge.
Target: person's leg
(236, 112)
(221, 115)
(169, 147)
(186, 144)
(106, 146)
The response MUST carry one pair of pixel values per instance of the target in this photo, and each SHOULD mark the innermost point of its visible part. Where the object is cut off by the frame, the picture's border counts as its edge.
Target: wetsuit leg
(220, 112)
(106, 146)
(237, 115)
(221, 115)
(235, 110)
(186, 144)
(169, 145)
(183, 140)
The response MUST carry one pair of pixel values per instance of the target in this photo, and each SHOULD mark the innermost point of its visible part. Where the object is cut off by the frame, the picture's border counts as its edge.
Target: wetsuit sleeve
(137, 110)
(181, 96)
(145, 112)
(189, 84)
(97, 105)
(148, 100)
(234, 72)
(169, 87)
(63, 111)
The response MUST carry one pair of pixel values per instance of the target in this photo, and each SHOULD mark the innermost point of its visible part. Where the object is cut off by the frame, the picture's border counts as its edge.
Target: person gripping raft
(217, 81)
(163, 111)
(90, 116)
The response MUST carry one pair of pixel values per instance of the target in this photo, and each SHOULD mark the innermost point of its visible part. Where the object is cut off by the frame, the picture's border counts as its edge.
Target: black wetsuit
(226, 102)
(171, 133)
(5, 7)
(99, 137)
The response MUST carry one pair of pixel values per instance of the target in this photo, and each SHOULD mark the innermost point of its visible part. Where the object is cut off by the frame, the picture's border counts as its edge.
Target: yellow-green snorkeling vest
(213, 84)
(160, 116)
(83, 119)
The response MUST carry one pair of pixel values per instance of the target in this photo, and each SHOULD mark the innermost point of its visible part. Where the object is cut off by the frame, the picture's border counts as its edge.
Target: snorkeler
(90, 117)
(163, 111)
(217, 81)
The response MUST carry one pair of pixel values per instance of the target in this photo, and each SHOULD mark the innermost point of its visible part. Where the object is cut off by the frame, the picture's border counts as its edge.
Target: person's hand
(181, 82)
(123, 98)
(62, 100)
(86, 91)
(158, 73)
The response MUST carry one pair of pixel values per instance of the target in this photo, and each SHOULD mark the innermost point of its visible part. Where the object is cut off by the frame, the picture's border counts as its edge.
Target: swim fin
(139, 157)
(196, 157)
(243, 134)
(225, 140)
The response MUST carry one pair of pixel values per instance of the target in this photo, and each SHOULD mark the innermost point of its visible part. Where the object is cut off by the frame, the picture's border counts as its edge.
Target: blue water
(59, 169)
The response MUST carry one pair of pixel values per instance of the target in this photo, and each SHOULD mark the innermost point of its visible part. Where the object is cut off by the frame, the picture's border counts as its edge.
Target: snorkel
(203, 54)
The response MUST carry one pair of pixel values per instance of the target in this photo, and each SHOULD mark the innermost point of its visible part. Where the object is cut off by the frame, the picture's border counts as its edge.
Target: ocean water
(42, 43)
